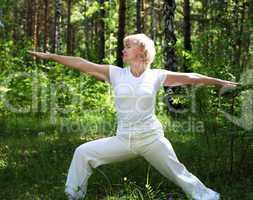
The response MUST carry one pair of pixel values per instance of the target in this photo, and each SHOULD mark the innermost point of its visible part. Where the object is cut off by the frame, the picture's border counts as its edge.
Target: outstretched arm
(179, 78)
(99, 71)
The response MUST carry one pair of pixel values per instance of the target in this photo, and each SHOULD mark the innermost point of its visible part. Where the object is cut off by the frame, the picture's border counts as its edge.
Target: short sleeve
(114, 74)
(161, 75)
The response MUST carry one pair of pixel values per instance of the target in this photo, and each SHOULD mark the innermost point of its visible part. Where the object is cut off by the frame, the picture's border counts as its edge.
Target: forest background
(47, 110)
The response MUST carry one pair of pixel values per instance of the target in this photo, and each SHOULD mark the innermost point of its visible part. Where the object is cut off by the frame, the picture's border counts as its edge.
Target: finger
(31, 52)
(232, 85)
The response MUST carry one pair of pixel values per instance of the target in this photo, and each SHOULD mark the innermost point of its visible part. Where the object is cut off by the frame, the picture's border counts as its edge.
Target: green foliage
(93, 8)
(47, 110)
(48, 89)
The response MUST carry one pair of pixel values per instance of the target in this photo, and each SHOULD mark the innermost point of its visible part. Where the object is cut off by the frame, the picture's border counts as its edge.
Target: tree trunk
(241, 39)
(138, 16)
(57, 25)
(45, 25)
(101, 32)
(203, 26)
(36, 25)
(239, 15)
(73, 39)
(170, 38)
(92, 27)
(169, 8)
(69, 27)
(29, 18)
(187, 34)
(121, 31)
(144, 16)
(153, 21)
(246, 60)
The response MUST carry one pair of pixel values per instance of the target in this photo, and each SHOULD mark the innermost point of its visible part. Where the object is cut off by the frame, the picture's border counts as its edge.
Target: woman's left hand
(40, 54)
(230, 84)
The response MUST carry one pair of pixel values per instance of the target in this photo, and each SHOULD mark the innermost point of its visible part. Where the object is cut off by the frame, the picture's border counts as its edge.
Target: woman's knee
(85, 152)
(82, 149)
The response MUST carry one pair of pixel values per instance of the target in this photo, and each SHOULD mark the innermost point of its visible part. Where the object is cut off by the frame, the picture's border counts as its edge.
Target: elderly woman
(139, 132)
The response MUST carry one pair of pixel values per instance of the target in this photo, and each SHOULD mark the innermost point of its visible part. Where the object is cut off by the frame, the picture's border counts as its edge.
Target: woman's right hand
(40, 54)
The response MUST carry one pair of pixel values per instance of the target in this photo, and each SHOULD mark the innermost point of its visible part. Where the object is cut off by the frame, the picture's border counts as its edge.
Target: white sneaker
(72, 195)
(212, 196)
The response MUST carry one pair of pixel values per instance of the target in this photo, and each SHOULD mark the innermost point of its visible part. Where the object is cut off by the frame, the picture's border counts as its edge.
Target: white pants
(154, 147)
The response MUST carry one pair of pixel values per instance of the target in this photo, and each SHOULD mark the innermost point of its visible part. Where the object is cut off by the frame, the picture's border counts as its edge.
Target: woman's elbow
(195, 78)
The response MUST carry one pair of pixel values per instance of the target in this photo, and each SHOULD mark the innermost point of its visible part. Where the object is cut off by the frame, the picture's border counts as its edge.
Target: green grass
(34, 166)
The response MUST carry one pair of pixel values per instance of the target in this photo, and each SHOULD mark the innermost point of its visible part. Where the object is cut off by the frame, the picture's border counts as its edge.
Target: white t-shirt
(134, 99)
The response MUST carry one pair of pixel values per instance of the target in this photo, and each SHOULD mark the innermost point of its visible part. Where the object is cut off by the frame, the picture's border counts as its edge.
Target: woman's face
(131, 52)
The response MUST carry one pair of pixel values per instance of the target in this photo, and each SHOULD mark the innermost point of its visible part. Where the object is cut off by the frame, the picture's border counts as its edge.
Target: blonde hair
(147, 45)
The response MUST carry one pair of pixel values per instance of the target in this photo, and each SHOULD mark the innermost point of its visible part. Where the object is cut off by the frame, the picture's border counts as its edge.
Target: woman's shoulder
(158, 71)
(115, 67)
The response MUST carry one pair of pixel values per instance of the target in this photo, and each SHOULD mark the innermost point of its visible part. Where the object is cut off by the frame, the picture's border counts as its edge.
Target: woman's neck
(137, 70)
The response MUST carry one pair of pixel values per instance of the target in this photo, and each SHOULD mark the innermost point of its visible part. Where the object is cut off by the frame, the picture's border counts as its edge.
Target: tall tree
(239, 19)
(69, 28)
(46, 6)
(29, 18)
(138, 16)
(56, 26)
(144, 16)
(153, 21)
(187, 33)
(249, 31)
(170, 38)
(121, 31)
(101, 32)
(169, 8)
(36, 38)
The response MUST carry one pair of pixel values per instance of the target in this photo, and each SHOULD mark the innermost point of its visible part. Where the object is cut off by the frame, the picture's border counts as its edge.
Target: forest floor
(34, 165)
